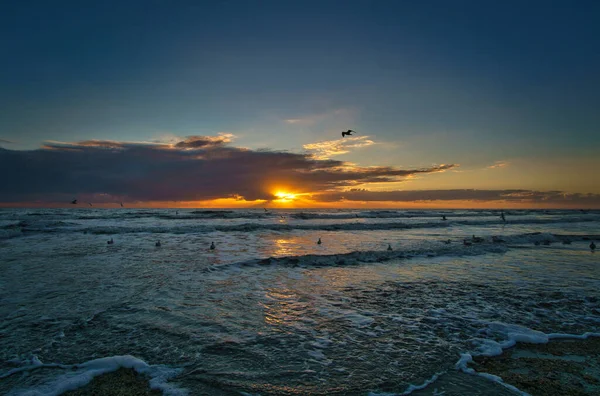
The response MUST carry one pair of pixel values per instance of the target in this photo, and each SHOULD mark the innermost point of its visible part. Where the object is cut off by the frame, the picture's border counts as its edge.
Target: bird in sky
(348, 132)
(74, 202)
(121, 204)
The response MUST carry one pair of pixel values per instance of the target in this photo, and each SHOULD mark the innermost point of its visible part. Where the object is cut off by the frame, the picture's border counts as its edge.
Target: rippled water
(271, 312)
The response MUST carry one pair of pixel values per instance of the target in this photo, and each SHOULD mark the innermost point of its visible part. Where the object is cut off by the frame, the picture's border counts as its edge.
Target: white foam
(84, 373)
(512, 334)
(411, 388)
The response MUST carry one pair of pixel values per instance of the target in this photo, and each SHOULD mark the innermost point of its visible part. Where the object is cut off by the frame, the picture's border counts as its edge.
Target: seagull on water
(157, 244)
(212, 246)
(110, 242)
(319, 241)
(592, 246)
(389, 247)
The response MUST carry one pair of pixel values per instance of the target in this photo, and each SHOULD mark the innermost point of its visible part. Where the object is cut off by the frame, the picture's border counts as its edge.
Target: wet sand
(560, 367)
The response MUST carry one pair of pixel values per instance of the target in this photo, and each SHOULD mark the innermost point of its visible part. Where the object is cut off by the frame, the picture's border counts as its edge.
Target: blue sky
(432, 82)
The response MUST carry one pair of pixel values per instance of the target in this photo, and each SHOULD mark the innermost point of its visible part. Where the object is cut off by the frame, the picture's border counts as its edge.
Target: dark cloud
(525, 196)
(197, 168)
(204, 141)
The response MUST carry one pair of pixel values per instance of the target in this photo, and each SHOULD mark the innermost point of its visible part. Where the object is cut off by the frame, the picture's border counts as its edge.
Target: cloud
(498, 164)
(5, 141)
(205, 141)
(515, 196)
(193, 168)
(329, 148)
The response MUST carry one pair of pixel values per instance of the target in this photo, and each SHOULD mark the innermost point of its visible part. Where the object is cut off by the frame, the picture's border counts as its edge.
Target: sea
(391, 302)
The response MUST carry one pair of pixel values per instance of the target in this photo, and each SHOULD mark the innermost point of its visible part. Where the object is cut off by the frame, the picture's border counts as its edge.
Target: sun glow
(285, 196)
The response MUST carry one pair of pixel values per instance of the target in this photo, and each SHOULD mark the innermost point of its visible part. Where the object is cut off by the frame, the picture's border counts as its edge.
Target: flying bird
(348, 132)
(89, 203)
(74, 202)
(121, 204)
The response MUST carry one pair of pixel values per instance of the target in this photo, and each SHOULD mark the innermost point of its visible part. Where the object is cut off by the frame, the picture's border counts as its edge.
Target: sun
(285, 196)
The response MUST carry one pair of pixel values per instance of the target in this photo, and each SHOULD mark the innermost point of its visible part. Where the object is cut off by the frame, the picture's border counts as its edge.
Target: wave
(445, 248)
(252, 227)
(50, 226)
(186, 214)
(79, 375)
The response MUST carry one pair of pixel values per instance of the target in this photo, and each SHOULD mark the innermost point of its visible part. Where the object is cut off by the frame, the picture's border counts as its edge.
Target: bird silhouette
(74, 202)
(592, 246)
(157, 244)
(389, 247)
(110, 242)
(121, 204)
(348, 132)
(89, 203)
(212, 246)
(319, 241)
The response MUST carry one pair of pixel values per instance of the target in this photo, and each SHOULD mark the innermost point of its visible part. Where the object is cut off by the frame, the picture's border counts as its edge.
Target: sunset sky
(242, 103)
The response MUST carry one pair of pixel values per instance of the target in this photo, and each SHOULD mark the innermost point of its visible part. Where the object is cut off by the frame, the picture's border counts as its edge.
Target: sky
(242, 103)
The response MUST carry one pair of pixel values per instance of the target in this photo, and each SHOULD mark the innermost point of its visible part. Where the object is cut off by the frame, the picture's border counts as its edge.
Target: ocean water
(271, 312)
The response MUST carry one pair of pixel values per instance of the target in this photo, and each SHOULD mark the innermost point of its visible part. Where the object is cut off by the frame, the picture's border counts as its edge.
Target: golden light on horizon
(283, 196)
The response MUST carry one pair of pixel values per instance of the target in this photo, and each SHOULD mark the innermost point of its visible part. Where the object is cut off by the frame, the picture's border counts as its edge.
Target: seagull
(110, 242)
(212, 246)
(90, 204)
(592, 246)
(444, 217)
(121, 204)
(389, 247)
(348, 132)
(157, 244)
(266, 211)
(74, 202)
(319, 241)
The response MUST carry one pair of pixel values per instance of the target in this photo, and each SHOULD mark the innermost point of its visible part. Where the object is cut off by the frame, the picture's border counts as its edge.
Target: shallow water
(346, 316)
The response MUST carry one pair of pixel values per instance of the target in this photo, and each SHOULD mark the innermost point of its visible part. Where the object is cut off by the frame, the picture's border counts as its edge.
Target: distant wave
(185, 214)
(52, 226)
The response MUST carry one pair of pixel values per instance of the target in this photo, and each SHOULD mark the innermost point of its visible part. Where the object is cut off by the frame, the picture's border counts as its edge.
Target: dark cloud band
(197, 168)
